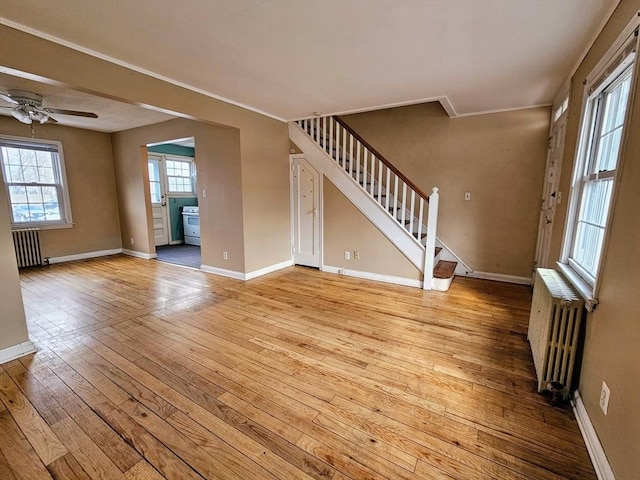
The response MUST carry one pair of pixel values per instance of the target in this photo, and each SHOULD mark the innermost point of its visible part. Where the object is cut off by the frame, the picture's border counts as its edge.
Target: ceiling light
(41, 117)
(22, 116)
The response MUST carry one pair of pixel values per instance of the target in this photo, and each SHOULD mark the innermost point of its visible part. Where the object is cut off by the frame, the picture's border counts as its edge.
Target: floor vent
(554, 329)
(27, 244)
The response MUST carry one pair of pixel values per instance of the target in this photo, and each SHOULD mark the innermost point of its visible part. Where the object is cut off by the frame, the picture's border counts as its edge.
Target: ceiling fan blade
(75, 113)
(8, 99)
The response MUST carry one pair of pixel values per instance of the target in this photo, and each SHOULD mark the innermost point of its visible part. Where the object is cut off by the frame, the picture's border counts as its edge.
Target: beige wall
(265, 194)
(92, 189)
(13, 326)
(218, 165)
(499, 158)
(612, 346)
(345, 228)
(263, 141)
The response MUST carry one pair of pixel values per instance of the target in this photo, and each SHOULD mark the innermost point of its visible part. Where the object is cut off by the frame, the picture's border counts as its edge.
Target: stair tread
(444, 269)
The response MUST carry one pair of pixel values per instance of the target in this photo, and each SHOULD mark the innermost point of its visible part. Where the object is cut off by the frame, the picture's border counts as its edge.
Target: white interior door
(551, 197)
(158, 202)
(305, 190)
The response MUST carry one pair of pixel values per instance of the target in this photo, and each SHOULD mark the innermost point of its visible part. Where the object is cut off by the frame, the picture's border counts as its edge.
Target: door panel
(306, 213)
(551, 196)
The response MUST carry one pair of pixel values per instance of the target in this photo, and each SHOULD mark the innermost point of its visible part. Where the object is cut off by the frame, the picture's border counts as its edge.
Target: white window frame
(603, 76)
(61, 185)
(179, 158)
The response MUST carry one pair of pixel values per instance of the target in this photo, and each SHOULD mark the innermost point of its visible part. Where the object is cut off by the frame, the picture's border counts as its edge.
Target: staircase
(396, 206)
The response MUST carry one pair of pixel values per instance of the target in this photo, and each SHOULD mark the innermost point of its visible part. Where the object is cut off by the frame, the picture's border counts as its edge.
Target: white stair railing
(385, 184)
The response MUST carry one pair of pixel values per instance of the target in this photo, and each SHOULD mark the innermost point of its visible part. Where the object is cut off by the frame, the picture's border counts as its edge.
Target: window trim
(65, 202)
(604, 75)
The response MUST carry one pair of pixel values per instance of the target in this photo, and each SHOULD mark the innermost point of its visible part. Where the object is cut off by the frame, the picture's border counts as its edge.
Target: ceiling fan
(27, 107)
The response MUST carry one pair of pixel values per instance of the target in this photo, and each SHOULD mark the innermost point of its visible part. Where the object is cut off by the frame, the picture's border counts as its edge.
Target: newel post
(430, 248)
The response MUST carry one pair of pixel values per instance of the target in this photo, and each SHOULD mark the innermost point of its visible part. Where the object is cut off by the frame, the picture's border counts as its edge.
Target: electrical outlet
(204, 193)
(225, 256)
(467, 195)
(347, 255)
(604, 398)
(356, 254)
(131, 240)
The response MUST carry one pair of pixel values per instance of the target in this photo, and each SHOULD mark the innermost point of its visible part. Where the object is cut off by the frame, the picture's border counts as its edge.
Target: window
(179, 176)
(33, 173)
(595, 171)
(154, 180)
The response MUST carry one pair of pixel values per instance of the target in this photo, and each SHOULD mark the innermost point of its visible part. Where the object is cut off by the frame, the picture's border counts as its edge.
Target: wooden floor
(147, 370)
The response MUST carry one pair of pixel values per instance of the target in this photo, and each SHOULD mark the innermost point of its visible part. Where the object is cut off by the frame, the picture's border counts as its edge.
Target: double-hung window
(179, 175)
(34, 178)
(596, 169)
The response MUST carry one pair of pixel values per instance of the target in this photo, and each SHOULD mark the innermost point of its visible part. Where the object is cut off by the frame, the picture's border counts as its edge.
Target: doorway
(174, 202)
(306, 187)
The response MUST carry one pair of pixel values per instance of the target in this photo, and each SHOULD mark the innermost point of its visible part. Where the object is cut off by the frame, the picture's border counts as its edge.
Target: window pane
(607, 155)
(15, 173)
(43, 159)
(50, 194)
(587, 248)
(18, 194)
(155, 192)
(36, 212)
(592, 221)
(12, 156)
(154, 173)
(34, 194)
(46, 175)
(28, 157)
(20, 212)
(30, 174)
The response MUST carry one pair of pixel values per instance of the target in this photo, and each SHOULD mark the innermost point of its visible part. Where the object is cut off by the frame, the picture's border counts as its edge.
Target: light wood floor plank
(145, 370)
(35, 429)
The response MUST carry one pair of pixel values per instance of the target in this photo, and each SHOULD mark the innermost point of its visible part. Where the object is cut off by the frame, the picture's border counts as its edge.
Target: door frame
(302, 156)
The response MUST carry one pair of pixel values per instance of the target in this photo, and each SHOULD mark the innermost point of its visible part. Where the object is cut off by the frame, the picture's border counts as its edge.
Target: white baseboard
(378, 277)
(246, 276)
(83, 256)
(16, 351)
(144, 256)
(594, 447)
(499, 277)
(223, 272)
(269, 269)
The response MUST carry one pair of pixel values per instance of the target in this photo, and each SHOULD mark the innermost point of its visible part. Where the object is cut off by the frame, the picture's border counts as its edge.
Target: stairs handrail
(382, 158)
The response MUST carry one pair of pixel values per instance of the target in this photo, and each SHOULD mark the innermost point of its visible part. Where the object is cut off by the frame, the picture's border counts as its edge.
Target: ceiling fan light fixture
(22, 116)
(39, 116)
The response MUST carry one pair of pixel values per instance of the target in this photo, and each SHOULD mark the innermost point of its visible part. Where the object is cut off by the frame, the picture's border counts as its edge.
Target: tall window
(596, 169)
(33, 173)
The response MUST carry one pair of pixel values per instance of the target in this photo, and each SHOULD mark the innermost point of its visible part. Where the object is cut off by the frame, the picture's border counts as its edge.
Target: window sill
(40, 226)
(584, 289)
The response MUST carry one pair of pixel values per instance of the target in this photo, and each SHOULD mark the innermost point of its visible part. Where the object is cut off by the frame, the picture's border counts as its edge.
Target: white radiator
(27, 245)
(554, 329)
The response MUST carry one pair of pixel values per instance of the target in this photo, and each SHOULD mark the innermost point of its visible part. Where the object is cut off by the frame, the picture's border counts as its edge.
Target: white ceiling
(290, 58)
(112, 116)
